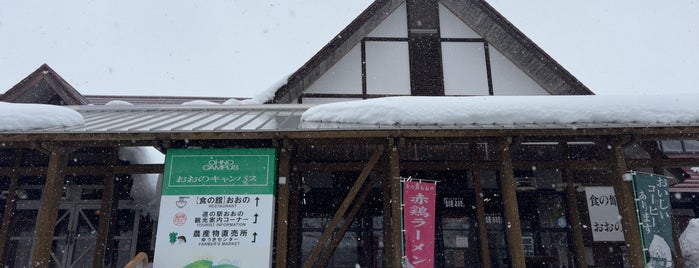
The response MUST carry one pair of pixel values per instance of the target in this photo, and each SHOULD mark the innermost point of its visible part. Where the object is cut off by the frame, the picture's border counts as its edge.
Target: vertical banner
(653, 206)
(604, 213)
(419, 219)
(216, 209)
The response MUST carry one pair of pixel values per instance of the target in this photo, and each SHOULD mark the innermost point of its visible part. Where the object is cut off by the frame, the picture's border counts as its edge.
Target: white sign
(604, 214)
(215, 230)
(216, 209)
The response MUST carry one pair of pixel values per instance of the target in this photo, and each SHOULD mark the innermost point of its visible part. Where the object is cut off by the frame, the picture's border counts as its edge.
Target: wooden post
(9, 207)
(508, 187)
(627, 207)
(107, 208)
(387, 215)
(480, 207)
(480, 216)
(283, 206)
(293, 234)
(573, 212)
(48, 212)
(396, 208)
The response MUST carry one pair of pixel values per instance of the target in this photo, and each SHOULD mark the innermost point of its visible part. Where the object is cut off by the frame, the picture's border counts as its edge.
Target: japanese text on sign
(216, 208)
(604, 213)
(418, 215)
(653, 206)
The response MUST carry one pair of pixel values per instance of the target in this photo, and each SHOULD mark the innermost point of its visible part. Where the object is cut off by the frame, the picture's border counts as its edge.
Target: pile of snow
(118, 102)
(22, 116)
(199, 102)
(509, 110)
(689, 242)
(261, 97)
(146, 187)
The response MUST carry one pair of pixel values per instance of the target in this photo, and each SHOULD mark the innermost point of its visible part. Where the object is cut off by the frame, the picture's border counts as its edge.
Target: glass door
(76, 227)
(75, 235)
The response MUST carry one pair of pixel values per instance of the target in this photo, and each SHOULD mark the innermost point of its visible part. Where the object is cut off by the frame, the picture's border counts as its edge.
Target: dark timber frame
(384, 161)
(478, 15)
(365, 92)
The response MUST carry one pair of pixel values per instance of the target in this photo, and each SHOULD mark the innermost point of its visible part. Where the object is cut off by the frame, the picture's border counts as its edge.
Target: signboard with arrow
(217, 208)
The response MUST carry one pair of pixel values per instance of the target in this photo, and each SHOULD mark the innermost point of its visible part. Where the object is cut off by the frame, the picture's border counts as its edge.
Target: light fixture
(21, 194)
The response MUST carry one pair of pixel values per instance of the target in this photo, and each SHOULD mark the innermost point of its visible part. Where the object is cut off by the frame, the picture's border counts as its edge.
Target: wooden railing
(139, 261)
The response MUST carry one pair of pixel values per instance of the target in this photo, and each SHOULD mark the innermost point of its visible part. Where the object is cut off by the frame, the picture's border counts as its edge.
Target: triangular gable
(517, 47)
(44, 86)
(507, 44)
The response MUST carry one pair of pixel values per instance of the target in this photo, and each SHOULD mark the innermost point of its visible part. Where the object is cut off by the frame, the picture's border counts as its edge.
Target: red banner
(418, 218)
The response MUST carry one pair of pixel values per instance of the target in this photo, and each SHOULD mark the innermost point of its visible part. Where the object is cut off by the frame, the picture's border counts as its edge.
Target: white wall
(344, 77)
(451, 26)
(464, 67)
(387, 68)
(395, 25)
(508, 79)
(387, 64)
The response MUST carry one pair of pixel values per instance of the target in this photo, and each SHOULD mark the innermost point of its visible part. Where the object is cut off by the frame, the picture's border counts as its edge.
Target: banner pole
(402, 225)
(638, 217)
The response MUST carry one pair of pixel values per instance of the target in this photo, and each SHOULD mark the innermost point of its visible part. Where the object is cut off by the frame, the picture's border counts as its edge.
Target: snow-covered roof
(16, 117)
(504, 110)
(612, 114)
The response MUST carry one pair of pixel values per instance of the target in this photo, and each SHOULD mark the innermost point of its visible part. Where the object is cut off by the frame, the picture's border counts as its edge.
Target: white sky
(236, 48)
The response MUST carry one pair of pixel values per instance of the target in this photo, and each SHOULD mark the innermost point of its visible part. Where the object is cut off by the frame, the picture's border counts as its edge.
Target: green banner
(219, 171)
(654, 216)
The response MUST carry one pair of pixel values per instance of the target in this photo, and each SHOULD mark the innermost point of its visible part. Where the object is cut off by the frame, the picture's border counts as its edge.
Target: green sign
(219, 171)
(652, 194)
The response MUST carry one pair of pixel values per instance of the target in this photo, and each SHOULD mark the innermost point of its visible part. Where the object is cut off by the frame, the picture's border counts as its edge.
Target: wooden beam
(23, 171)
(544, 133)
(283, 206)
(89, 170)
(293, 229)
(9, 207)
(323, 240)
(480, 207)
(627, 207)
(387, 215)
(508, 187)
(480, 216)
(345, 166)
(573, 212)
(347, 222)
(671, 162)
(107, 209)
(396, 207)
(48, 212)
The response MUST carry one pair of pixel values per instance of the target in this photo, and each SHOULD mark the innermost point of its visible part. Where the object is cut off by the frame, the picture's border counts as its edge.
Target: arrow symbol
(254, 237)
(257, 201)
(255, 218)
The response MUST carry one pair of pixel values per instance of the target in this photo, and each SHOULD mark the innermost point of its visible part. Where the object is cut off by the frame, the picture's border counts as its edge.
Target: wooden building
(509, 194)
